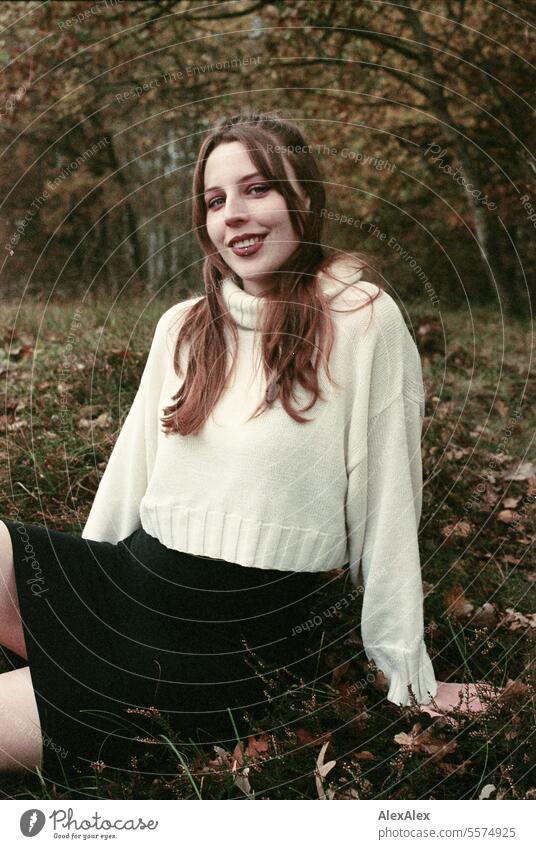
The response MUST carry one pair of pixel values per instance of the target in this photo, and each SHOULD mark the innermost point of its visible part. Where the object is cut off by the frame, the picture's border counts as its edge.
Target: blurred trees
(420, 114)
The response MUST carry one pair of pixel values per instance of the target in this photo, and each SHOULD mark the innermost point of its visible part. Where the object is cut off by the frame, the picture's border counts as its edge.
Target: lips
(244, 236)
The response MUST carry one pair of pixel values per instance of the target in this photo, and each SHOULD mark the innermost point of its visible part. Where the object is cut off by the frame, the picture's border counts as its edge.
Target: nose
(235, 209)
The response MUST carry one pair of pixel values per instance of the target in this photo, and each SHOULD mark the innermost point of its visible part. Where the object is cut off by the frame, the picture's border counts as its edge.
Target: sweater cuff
(406, 666)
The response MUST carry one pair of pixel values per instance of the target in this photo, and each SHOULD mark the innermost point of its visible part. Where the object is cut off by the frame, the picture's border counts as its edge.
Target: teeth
(246, 242)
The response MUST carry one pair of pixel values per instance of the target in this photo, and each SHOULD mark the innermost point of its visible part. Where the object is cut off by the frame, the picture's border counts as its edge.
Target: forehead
(228, 162)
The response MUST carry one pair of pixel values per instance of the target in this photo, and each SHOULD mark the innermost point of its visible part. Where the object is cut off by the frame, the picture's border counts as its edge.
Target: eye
(264, 187)
(212, 202)
(259, 189)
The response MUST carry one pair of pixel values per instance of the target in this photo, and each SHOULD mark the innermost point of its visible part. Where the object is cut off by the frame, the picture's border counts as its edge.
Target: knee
(6, 549)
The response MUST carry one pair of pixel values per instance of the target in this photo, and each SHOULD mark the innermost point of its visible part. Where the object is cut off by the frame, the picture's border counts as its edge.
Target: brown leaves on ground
(240, 761)
(364, 756)
(460, 530)
(487, 616)
(460, 769)
(424, 742)
(514, 620)
(102, 421)
(457, 604)
(515, 690)
(23, 348)
(255, 749)
(520, 472)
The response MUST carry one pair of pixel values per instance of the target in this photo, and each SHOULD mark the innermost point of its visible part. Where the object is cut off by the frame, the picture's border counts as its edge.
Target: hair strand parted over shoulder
(297, 325)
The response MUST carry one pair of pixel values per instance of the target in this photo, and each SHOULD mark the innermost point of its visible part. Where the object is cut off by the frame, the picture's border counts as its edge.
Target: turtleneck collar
(246, 308)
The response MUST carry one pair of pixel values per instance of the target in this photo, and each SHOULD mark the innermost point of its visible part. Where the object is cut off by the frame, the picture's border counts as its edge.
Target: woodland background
(104, 106)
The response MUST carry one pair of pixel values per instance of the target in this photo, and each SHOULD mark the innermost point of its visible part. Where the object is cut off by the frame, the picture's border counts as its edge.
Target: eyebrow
(242, 180)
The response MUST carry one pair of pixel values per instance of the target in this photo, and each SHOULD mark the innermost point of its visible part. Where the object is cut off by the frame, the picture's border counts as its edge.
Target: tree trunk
(486, 228)
(138, 256)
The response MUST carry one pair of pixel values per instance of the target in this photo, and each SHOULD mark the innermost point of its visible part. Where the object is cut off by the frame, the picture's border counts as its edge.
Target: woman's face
(240, 203)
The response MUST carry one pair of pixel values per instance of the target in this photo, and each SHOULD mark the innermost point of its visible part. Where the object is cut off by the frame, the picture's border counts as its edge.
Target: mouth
(247, 245)
(246, 240)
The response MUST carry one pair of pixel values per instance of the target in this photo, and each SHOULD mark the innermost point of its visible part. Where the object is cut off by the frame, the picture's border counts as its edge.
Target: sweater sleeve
(384, 502)
(114, 514)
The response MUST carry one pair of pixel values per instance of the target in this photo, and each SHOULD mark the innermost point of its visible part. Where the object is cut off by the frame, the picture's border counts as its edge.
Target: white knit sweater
(343, 488)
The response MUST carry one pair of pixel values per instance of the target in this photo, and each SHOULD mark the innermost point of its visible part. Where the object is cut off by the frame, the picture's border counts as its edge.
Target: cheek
(213, 230)
(279, 218)
(287, 230)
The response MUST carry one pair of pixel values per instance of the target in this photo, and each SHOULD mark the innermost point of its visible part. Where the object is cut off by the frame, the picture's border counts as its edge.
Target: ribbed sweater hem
(246, 541)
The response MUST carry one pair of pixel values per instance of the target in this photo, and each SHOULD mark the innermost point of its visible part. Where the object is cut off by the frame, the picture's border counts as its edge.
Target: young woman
(275, 437)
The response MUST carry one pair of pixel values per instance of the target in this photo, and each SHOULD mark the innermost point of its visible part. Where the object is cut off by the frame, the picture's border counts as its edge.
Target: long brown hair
(296, 318)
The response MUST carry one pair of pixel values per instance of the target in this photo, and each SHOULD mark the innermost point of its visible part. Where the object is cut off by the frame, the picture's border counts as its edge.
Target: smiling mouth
(247, 242)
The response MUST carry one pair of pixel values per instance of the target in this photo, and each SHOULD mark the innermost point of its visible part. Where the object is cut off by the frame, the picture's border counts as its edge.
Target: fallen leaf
(404, 739)
(457, 604)
(11, 405)
(514, 620)
(257, 745)
(242, 782)
(224, 760)
(485, 616)
(520, 472)
(459, 769)
(119, 354)
(456, 453)
(486, 791)
(514, 689)
(423, 742)
(321, 771)
(461, 529)
(254, 748)
(102, 421)
(19, 352)
(491, 496)
(364, 756)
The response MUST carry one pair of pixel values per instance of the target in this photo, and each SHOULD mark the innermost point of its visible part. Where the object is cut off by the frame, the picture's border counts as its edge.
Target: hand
(454, 696)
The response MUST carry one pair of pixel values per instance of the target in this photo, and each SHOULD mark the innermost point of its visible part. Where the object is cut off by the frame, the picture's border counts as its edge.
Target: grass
(60, 419)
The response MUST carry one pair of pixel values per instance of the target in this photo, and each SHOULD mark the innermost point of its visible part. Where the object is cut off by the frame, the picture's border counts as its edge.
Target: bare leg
(11, 631)
(21, 739)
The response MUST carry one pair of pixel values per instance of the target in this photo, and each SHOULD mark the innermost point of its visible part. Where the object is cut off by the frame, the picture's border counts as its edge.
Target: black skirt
(115, 629)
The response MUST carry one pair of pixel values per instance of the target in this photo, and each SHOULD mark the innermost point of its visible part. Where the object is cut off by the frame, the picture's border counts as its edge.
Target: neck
(253, 288)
